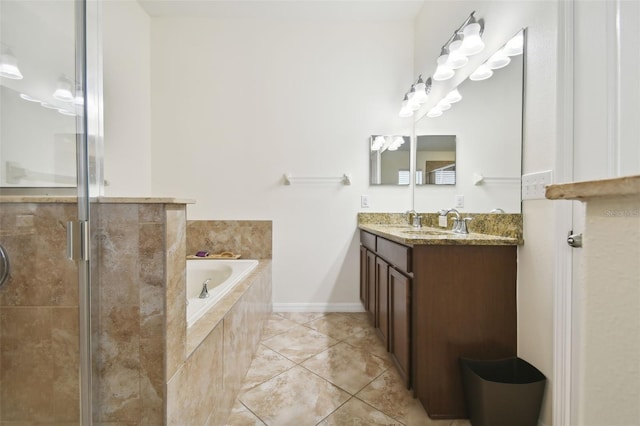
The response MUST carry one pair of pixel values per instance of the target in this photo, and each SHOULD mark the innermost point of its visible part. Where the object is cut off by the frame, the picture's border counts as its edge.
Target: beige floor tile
(265, 365)
(339, 326)
(299, 343)
(388, 394)
(346, 366)
(369, 340)
(301, 317)
(295, 397)
(356, 412)
(275, 325)
(241, 416)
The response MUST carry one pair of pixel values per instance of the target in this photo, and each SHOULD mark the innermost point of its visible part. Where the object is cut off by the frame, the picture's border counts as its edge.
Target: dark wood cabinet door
(363, 276)
(382, 287)
(400, 322)
(372, 297)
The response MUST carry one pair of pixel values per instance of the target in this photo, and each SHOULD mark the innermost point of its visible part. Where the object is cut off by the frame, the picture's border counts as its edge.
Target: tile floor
(325, 369)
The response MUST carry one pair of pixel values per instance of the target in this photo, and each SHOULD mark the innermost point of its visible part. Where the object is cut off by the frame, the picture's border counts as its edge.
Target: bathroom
(216, 105)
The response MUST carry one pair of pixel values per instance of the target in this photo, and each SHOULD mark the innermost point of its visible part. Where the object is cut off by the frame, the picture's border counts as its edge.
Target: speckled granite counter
(485, 229)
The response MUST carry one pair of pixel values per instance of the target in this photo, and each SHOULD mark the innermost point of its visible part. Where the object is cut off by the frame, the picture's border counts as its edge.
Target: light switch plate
(459, 201)
(533, 185)
(364, 201)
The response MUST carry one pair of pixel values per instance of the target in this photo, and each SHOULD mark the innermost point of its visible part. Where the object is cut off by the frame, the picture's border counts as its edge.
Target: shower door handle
(4, 265)
(78, 240)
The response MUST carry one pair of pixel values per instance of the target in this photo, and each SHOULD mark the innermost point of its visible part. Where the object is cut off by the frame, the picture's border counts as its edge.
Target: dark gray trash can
(504, 392)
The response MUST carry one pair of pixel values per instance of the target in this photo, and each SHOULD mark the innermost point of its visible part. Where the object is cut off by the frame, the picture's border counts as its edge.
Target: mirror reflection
(389, 160)
(487, 124)
(436, 160)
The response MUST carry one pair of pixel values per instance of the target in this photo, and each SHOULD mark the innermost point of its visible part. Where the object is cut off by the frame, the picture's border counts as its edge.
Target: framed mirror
(436, 160)
(389, 160)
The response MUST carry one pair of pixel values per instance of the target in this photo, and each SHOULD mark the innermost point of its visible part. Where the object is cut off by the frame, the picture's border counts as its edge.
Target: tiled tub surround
(139, 334)
(251, 239)
(504, 224)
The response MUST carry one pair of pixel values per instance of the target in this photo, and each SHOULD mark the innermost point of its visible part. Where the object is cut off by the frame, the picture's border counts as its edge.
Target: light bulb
(515, 46)
(453, 96)
(456, 59)
(443, 72)
(498, 60)
(9, 66)
(483, 72)
(471, 42)
(405, 110)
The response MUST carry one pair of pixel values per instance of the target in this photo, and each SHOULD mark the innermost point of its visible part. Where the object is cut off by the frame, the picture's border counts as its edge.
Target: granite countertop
(407, 235)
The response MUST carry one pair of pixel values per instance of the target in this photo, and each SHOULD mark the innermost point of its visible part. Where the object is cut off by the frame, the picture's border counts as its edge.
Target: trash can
(504, 392)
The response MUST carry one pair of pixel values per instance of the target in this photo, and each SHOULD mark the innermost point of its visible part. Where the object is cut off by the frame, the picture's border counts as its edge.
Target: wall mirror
(436, 160)
(389, 160)
(486, 125)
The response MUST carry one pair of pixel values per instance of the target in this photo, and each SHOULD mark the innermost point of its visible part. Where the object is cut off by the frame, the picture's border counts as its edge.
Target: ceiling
(347, 10)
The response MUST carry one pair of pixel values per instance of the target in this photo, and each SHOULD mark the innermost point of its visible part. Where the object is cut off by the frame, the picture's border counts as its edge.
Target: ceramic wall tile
(151, 279)
(251, 239)
(65, 349)
(152, 383)
(176, 314)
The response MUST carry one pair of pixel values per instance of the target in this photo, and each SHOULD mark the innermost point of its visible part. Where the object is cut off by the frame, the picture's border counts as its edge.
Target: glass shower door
(45, 340)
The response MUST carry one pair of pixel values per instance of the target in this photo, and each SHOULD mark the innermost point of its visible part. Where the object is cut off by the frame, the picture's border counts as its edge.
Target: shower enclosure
(50, 97)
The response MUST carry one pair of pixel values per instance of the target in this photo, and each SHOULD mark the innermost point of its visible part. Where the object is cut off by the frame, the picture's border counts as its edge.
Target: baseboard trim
(318, 307)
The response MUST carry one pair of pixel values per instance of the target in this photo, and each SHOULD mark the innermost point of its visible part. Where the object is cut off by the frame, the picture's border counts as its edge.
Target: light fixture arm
(470, 19)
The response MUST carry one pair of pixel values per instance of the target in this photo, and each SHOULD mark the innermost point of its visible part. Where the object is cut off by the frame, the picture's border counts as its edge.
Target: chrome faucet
(414, 219)
(205, 291)
(498, 210)
(459, 225)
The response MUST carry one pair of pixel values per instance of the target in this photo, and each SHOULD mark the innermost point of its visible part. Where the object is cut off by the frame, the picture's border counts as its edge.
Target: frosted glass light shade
(443, 72)
(498, 60)
(405, 110)
(9, 67)
(420, 92)
(515, 46)
(63, 92)
(443, 105)
(453, 96)
(456, 59)
(482, 73)
(28, 98)
(398, 140)
(471, 42)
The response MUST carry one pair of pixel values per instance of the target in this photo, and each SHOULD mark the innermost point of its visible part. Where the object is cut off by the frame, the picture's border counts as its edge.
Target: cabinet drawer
(368, 240)
(396, 254)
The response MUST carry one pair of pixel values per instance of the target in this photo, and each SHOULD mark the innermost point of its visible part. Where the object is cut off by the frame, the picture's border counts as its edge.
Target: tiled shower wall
(38, 316)
(250, 238)
(39, 350)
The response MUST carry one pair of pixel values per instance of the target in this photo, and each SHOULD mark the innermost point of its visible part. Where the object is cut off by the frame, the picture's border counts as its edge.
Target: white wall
(127, 99)
(535, 257)
(239, 102)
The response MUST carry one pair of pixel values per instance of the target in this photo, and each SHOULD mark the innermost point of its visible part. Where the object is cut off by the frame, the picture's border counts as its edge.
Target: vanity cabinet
(387, 299)
(443, 302)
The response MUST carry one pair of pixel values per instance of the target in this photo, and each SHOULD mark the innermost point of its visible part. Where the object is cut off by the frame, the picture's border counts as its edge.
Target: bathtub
(224, 275)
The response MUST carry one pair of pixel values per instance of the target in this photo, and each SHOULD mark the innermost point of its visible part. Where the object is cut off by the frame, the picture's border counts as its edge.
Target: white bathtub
(224, 275)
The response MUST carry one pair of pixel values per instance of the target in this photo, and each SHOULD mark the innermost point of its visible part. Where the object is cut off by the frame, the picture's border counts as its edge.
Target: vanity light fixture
(515, 46)
(443, 71)
(378, 142)
(9, 65)
(472, 41)
(456, 59)
(28, 98)
(415, 97)
(443, 105)
(453, 96)
(406, 110)
(498, 60)
(63, 92)
(483, 72)
(434, 112)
